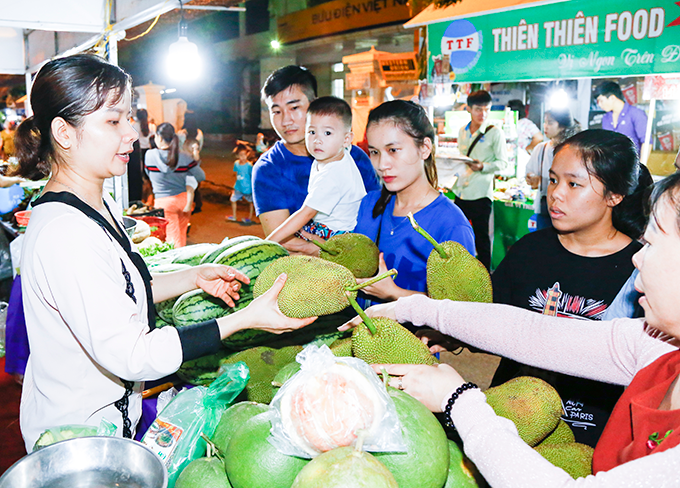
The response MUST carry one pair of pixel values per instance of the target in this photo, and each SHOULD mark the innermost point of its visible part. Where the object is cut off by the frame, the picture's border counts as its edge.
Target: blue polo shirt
(632, 122)
(280, 178)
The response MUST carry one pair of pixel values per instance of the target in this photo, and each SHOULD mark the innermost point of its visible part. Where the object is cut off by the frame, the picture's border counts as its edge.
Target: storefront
(527, 42)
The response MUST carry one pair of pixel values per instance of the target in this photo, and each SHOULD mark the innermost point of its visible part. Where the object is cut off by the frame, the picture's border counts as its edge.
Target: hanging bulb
(184, 62)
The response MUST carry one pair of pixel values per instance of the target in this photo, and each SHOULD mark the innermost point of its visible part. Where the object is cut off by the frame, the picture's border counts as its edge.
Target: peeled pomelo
(345, 467)
(426, 461)
(232, 419)
(252, 462)
(326, 411)
(203, 472)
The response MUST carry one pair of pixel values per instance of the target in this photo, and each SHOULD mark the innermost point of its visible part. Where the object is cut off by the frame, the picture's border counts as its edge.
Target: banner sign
(340, 16)
(572, 39)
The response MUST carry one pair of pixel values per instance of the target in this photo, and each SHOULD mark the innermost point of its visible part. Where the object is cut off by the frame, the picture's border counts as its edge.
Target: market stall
(525, 42)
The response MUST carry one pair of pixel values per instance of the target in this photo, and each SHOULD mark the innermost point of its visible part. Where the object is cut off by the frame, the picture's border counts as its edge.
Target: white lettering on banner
(640, 25)
(632, 57)
(670, 53)
(571, 32)
(516, 38)
(593, 60)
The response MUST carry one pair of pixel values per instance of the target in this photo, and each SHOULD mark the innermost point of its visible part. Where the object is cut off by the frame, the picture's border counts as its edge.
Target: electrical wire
(153, 24)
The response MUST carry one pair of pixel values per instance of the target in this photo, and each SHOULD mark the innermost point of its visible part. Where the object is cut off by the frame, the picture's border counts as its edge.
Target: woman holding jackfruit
(400, 143)
(87, 294)
(640, 445)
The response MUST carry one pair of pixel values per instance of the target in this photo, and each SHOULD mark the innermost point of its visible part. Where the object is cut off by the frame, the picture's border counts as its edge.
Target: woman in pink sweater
(641, 354)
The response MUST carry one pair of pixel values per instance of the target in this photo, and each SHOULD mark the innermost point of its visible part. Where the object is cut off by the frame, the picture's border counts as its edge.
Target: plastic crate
(159, 223)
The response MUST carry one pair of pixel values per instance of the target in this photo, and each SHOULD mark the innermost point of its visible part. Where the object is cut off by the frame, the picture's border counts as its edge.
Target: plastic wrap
(175, 436)
(327, 403)
(71, 431)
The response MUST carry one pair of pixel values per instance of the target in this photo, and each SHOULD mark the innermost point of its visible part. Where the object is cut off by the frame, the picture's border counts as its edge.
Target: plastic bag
(326, 403)
(175, 435)
(66, 432)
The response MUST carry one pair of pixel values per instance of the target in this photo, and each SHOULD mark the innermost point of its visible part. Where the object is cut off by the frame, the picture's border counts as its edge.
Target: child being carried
(335, 185)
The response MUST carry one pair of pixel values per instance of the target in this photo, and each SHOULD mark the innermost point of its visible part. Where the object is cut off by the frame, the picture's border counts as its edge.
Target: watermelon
(204, 370)
(192, 255)
(211, 256)
(197, 306)
(164, 308)
(250, 258)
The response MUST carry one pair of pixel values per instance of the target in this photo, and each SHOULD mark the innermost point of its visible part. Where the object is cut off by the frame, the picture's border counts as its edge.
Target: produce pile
(244, 456)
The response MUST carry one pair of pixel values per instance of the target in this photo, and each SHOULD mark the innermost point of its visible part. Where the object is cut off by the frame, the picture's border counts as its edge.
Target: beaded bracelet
(459, 391)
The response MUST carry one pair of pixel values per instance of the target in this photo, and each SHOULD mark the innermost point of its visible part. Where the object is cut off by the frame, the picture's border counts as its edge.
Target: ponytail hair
(411, 119)
(167, 132)
(70, 88)
(143, 119)
(612, 158)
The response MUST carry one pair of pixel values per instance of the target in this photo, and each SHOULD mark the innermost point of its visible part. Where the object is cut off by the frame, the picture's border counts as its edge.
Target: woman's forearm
(169, 285)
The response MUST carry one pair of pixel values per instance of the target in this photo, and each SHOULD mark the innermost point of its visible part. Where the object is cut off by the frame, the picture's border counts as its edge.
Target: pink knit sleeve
(492, 443)
(605, 351)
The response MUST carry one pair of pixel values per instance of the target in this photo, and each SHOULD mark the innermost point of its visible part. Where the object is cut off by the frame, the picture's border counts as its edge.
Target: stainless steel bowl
(88, 462)
(130, 225)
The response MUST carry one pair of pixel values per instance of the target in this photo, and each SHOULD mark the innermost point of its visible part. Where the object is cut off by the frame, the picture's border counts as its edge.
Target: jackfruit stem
(367, 321)
(438, 247)
(325, 248)
(392, 272)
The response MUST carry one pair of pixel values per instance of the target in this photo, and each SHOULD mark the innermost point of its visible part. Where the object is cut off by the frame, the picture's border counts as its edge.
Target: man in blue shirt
(621, 117)
(281, 175)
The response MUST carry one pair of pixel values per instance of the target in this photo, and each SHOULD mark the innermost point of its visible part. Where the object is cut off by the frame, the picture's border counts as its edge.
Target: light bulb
(183, 61)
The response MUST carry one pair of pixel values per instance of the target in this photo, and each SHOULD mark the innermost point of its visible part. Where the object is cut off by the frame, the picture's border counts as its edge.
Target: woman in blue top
(400, 142)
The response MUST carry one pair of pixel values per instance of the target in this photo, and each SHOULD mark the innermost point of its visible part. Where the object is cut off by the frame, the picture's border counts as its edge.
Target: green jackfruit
(531, 403)
(356, 252)
(264, 363)
(379, 340)
(342, 347)
(314, 286)
(453, 273)
(573, 457)
(561, 435)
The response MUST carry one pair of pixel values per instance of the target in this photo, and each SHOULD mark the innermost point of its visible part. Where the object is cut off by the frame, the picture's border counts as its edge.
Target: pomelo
(252, 462)
(203, 472)
(345, 467)
(234, 418)
(462, 473)
(426, 462)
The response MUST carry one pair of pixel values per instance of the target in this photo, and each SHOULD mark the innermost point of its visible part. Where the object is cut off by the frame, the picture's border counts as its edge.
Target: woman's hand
(381, 310)
(427, 384)
(384, 289)
(438, 342)
(220, 281)
(262, 313)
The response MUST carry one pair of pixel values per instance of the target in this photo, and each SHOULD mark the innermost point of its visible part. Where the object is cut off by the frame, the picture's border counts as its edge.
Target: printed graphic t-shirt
(539, 274)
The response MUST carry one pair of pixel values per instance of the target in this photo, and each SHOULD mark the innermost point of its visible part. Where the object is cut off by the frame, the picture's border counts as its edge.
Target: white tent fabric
(34, 31)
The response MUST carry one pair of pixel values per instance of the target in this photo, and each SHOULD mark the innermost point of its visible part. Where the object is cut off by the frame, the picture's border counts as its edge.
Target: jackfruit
(264, 363)
(380, 340)
(356, 252)
(342, 347)
(314, 286)
(531, 403)
(573, 457)
(453, 273)
(561, 435)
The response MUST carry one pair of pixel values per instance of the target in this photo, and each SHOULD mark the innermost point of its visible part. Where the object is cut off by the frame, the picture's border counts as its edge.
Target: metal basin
(130, 225)
(88, 462)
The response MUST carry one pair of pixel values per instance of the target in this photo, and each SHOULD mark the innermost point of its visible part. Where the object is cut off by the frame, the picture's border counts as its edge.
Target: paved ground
(210, 225)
